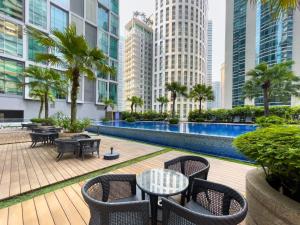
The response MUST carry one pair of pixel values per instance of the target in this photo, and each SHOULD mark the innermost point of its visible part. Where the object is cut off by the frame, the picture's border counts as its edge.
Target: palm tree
(133, 101)
(38, 94)
(163, 101)
(109, 103)
(45, 81)
(200, 93)
(75, 56)
(279, 6)
(272, 81)
(138, 102)
(176, 89)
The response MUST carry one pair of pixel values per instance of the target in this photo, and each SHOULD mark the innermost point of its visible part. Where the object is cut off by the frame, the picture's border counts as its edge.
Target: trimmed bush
(268, 121)
(174, 121)
(146, 116)
(48, 122)
(130, 120)
(277, 150)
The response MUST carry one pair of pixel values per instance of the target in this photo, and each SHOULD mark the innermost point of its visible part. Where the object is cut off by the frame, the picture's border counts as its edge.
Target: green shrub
(79, 126)
(146, 116)
(48, 122)
(267, 121)
(174, 121)
(130, 120)
(277, 150)
(104, 120)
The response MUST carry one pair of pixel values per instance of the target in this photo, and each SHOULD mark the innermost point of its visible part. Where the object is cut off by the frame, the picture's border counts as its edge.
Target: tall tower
(138, 62)
(209, 58)
(252, 37)
(180, 49)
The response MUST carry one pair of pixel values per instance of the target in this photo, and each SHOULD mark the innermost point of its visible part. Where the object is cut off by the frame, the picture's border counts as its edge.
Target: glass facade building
(97, 20)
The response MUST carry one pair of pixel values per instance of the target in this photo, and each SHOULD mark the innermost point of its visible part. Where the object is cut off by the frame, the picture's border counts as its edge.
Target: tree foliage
(176, 90)
(200, 93)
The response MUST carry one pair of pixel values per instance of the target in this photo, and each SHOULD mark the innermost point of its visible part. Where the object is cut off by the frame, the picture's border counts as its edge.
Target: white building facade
(138, 63)
(180, 49)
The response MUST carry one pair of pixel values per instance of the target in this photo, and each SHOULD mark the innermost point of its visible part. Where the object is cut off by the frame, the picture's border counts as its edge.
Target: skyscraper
(180, 49)
(216, 87)
(98, 21)
(223, 99)
(121, 81)
(138, 62)
(252, 37)
(209, 58)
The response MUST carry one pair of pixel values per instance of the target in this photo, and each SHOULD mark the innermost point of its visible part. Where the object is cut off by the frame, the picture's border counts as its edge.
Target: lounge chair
(211, 204)
(89, 145)
(191, 166)
(249, 119)
(237, 119)
(112, 200)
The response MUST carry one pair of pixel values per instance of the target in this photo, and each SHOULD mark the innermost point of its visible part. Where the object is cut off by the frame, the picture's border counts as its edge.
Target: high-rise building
(223, 99)
(121, 82)
(138, 62)
(180, 49)
(209, 58)
(216, 86)
(98, 21)
(252, 37)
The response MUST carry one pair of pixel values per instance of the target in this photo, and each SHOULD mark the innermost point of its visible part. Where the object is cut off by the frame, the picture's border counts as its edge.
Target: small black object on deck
(111, 155)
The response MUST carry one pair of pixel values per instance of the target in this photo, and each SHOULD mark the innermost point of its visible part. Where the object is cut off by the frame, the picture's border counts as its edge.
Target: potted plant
(273, 192)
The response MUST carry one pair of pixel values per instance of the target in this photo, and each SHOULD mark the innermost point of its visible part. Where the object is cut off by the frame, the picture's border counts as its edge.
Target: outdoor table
(47, 136)
(160, 183)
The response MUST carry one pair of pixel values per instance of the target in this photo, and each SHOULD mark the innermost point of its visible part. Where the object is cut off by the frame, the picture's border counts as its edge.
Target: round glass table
(163, 183)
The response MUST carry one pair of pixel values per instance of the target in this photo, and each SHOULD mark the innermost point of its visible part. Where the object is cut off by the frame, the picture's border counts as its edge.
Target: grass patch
(62, 184)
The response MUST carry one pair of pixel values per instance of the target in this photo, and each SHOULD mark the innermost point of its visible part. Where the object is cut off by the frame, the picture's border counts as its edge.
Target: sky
(216, 14)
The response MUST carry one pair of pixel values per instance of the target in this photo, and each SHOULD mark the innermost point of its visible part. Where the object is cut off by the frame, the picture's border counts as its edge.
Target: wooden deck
(23, 169)
(66, 206)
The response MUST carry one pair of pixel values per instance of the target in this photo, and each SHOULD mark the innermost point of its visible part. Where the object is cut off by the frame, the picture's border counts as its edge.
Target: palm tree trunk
(74, 91)
(200, 106)
(161, 108)
(46, 105)
(135, 106)
(266, 102)
(41, 107)
(173, 107)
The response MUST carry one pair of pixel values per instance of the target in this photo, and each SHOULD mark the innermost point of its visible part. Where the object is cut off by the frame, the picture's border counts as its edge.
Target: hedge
(146, 116)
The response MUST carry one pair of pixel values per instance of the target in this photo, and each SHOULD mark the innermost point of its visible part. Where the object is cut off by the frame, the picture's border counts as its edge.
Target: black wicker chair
(36, 138)
(66, 146)
(191, 166)
(88, 146)
(211, 204)
(112, 200)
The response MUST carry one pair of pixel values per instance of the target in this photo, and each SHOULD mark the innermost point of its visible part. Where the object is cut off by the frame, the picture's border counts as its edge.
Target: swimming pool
(209, 138)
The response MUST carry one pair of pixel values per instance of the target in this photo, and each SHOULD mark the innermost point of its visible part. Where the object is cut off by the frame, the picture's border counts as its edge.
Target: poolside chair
(237, 119)
(66, 146)
(249, 119)
(89, 145)
(191, 166)
(36, 138)
(211, 204)
(112, 200)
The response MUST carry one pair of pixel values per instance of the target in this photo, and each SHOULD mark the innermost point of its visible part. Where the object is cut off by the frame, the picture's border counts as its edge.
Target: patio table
(160, 183)
(44, 137)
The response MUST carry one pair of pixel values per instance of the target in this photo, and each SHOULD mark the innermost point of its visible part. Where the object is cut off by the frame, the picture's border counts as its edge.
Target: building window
(179, 62)
(12, 8)
(186, 28)
(173, 12)
(11, 38)
(113, 94)
(167, 46)
(173, 29)
(173, 62)
(179, 28)
(167, 30)
(105, 3)
(102, 91)
(179, 45)
(186, 12)
(173, 45)
(59, 19)
(166, 62)
(113, 48)
(11, 75)
(161, 16)
(34, 47)
(180, 12)
(114, 24)
(103, 18)
(114, 6)
(167, 14)
(185, 61)
(114, 64)
(103, 41)
(38, 13)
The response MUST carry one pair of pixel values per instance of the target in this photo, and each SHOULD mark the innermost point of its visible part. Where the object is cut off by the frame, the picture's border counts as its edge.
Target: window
(103, 18)
(173, 12)
(113, 48)
(180, 12)
(173, 29)
(161, 16)
(161, 31)
(113, 93)
(12, 8)
(34, 47)
(186, 12)
(167, 14)
(11, 38)
(173, 45)
(192, 46)
(173, 62)
(179, 44)
(186, 28)
(166, 62)
(167, 30)
(186, 45)
(77, 7)
(10, 76)
(38, 13)
(114, 6)
(102, 91)
(105, 3)
(103, 41)
(167, 46)
(185, 61)
(179, 62)
(114, 24)
(59, 19)
(179, 28)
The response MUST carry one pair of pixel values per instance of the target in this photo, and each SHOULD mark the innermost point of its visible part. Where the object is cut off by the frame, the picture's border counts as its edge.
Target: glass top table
(160, 182)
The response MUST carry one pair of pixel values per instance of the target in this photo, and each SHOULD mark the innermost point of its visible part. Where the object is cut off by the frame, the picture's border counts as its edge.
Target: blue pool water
(209, 129)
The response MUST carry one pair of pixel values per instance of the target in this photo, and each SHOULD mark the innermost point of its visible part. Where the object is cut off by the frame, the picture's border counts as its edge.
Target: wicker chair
(191, 166)
(211, 204)
(89, 146)
(36, 138)
(66, 146)
(112, 200)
